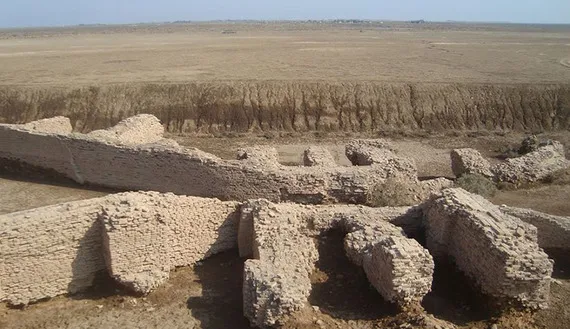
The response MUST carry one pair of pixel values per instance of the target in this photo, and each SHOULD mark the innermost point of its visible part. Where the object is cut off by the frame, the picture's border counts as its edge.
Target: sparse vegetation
(477, 184)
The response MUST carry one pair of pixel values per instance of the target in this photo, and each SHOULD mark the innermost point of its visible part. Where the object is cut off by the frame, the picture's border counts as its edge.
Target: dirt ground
(286, 51)
(208, 296)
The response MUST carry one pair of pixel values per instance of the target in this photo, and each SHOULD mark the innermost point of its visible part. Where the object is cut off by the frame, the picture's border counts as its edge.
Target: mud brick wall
(499, 252)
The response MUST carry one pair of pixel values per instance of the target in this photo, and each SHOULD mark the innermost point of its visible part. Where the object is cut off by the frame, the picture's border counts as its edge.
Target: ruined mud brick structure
(137, 236)
(498, 251)
(146, 235)
(280, 240)
(529, 168)
(50, 251)
(133, 155)
(553, 231)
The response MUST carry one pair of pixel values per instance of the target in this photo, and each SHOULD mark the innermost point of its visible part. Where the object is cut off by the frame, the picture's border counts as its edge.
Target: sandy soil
(446, 53)
(16, 195)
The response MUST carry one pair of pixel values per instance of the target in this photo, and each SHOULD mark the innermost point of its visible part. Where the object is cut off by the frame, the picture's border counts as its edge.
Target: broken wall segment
(316, 156)
(553, 231)
(528, 168)
(140, 129)
(498, 251)
(469, 161)
(399, 268)
(279, 237)
(148, 234)
(55, 125)
(162, 165)
(533, 166)
(277, 281)
(138, 237)
(50, 251)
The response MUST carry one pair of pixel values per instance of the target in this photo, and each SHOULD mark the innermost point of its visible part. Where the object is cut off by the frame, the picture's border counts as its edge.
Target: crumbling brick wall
(50, 251)
(498, 251)
(137, 236)
(148, 234)
(553, 231)
(528, 168)
(124, 157)
(279, 238)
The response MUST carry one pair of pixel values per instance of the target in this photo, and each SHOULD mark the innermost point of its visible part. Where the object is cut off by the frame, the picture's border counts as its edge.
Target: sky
(22, 13)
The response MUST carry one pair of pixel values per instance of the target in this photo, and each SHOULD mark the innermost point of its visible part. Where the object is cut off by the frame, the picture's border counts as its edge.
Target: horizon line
(363, 20)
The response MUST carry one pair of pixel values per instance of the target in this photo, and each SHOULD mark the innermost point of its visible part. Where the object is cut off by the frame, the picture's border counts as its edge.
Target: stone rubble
(498, 251)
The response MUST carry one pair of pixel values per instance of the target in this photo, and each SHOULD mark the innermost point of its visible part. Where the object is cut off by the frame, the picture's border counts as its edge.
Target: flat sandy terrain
(380, 52)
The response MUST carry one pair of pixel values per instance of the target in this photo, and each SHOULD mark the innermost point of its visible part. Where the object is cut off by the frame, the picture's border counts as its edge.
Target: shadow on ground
(454, 297)
(561, 263)
(340, 288)
(220, 305)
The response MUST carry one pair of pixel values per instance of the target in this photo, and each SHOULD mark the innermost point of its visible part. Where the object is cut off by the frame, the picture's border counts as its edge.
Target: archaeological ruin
(273, 214)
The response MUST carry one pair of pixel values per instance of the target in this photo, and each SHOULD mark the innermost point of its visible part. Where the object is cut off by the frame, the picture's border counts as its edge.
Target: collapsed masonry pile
(280, 240)
(528, 168)
(498, 251)
(134, 155)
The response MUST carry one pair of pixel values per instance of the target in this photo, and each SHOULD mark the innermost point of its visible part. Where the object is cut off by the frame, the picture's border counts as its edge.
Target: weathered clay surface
(316, 156)
(50, 251)
(469, 161)
(498, 251)
(136, 161)
(279, 238)
(533, 166)
(148, 234)
(140, 129)
(55, 125)
(553, 231)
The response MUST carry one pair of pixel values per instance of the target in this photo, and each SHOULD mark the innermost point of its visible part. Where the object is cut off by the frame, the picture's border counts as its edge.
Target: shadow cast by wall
(221, 304)
(454, 297)
(221, 277)
(90, 279)
(340, 288)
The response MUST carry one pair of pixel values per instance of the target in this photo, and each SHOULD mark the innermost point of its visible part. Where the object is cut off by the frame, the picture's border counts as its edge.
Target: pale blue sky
(17, 13)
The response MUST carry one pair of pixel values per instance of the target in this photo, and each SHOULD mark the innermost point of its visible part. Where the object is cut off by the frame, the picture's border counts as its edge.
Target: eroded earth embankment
(244, 106)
